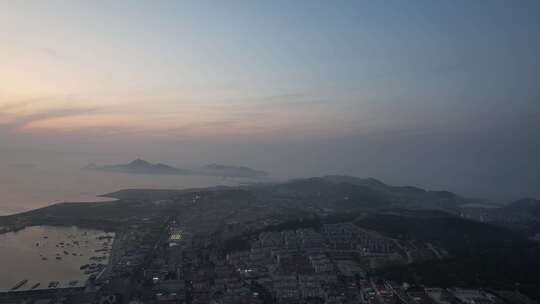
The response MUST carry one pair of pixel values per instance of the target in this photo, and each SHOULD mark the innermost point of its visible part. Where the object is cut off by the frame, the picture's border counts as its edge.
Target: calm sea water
(26, 188)
(31, 254)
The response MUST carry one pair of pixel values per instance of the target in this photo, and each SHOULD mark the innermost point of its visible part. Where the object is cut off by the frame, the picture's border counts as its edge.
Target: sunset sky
(441, 93)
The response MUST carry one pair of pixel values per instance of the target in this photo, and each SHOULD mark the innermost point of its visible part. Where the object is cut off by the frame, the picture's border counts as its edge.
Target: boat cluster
(92, 269)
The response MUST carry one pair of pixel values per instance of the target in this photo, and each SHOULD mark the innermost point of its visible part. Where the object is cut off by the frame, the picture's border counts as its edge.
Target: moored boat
(19, 285)
(53, 284)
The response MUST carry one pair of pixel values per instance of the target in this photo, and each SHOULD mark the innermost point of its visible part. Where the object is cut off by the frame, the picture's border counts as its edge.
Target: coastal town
(159, 260)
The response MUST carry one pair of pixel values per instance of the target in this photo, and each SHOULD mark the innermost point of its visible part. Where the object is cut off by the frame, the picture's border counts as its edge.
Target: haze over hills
(335, 193)
(353, 192)
(223, 170)
(525, 205)
(522, 215)
(140, 166)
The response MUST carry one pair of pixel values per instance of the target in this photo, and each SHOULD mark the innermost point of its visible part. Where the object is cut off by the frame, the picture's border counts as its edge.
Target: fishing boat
(19, 285)
(53, 284)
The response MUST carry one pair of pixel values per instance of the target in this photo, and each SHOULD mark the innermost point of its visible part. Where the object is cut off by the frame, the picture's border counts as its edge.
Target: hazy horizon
(441, 95)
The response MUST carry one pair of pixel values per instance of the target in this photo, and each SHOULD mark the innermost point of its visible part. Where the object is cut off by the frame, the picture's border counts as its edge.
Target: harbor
(44, 257)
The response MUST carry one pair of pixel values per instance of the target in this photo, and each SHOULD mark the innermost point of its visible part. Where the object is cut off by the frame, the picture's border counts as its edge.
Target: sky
(440, 94)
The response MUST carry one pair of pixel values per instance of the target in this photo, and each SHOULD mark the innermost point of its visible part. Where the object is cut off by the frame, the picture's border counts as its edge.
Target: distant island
(140, 166)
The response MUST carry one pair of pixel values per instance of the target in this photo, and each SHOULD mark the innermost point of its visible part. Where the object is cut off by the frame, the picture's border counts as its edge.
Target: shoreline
(21, 220)
(86, 246)
(95, 199)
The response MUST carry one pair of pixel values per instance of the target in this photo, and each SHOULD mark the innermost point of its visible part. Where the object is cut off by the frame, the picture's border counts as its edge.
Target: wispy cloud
(79, 116)
(17, 115)
(54, 113)
(17, 105)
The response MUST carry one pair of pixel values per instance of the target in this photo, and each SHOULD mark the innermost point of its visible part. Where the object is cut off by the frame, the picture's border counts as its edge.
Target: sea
(27, 187)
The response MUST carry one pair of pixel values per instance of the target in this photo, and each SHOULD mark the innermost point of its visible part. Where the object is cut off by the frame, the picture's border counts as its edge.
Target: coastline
(103, 198)
(21, 220)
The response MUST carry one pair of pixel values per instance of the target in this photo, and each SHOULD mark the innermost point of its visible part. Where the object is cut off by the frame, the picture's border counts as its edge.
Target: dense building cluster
(164, 261)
